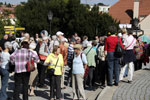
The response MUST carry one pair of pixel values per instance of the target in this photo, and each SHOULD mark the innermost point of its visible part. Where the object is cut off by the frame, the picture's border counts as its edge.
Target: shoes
(129, 82)
(51, 99)
(110, 85)
(116, 84)
(32, 94)
(43, 86)
(63, 88)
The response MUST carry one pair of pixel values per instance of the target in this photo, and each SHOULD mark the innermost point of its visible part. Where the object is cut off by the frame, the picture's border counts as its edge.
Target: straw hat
(78, 46)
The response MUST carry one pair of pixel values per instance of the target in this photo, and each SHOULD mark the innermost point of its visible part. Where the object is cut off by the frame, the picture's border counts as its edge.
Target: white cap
(59, 33)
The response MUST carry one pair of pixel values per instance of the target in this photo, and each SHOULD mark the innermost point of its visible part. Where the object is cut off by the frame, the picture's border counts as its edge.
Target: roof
(123, 10)
(144, 7)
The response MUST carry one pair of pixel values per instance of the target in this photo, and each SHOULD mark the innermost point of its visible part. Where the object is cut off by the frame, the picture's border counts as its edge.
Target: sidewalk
(139, 89)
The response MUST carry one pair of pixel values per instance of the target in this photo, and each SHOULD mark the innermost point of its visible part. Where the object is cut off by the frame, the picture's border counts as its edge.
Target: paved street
(139, 89)
(43, 94)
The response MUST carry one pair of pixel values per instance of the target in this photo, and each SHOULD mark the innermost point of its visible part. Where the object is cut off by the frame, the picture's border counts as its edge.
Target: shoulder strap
(88, 51)
(130, 44)
(57, 62)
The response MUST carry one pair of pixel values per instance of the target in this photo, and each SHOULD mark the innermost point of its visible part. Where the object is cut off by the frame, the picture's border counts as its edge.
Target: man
(90, 55)
(70, 57)
(63, 51)
(59, 35)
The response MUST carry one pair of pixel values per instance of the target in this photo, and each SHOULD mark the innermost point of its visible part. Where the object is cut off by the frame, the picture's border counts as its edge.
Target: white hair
(45, 38)
(8, 45)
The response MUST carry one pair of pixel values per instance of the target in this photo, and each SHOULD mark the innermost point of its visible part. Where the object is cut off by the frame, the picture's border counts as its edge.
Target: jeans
(4, 81)
(113, 66)
(21, 78)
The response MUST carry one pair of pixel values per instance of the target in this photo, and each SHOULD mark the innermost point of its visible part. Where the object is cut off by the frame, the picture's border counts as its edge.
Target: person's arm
(120, 41)
(105, 48)
(84, 59)
(12, 57)
(65, 56)
(48, 60)
(61, 62)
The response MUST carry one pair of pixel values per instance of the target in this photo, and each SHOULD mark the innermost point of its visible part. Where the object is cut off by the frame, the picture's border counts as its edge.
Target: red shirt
(111, 42)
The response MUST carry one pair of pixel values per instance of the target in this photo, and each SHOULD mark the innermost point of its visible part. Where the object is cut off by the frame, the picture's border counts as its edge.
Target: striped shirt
(20, 58)
(70, 54)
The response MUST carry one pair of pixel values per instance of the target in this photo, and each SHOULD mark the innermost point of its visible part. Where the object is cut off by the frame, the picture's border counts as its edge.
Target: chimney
(136, 9)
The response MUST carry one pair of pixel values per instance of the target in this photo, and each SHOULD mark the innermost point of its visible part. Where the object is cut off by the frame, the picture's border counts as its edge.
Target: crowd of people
(90, 64)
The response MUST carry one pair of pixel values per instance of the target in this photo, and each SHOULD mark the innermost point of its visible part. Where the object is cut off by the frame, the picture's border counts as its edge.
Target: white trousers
(130, 71)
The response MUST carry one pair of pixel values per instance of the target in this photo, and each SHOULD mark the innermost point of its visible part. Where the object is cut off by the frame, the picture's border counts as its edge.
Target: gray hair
(8, 45)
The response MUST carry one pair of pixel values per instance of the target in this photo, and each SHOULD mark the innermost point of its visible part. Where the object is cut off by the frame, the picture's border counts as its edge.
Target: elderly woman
(79, 64)
(33, 74)
(43, 52)
(4, 66)
(20, 59)
(129, 56)
(55, 60)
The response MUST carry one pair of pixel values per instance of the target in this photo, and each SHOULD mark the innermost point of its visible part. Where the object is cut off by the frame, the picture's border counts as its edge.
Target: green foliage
(1, 28)
(69, 16)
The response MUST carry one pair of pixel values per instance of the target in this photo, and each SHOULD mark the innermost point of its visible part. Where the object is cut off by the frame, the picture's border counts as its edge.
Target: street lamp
(50, 16)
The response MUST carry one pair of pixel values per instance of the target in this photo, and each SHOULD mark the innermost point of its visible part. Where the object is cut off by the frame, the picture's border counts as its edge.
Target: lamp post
(50, 16)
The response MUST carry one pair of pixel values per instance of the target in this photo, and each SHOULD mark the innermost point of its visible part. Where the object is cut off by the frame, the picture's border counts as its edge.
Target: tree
(1, 28)
(69, 16)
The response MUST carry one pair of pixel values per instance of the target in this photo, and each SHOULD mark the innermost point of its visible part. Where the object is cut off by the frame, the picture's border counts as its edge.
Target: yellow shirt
(58, 69)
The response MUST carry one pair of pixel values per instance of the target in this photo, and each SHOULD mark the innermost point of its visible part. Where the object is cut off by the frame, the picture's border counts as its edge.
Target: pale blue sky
(108, 2)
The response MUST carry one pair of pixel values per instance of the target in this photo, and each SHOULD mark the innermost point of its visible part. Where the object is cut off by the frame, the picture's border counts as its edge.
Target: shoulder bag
(30, 64)
(118, 50)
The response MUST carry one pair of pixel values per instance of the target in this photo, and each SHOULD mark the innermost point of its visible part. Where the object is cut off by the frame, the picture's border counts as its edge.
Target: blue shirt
(78, 67)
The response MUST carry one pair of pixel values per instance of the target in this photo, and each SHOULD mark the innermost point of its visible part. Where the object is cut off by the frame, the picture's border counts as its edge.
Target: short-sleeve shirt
(78, 62)
(58, 69)
(5, 58)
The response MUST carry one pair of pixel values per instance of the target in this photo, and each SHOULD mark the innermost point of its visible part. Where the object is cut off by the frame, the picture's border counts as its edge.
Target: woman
(4, 66)
(79, 64)
(129, 56)
(113, 62)
(55, 60)
(44, 51)
(33, 75)
(20, 59)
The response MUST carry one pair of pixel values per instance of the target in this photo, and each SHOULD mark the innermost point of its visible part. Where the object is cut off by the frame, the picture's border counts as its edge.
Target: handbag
(42, 57)
(118, 50)
(30, 64)
(51, 71)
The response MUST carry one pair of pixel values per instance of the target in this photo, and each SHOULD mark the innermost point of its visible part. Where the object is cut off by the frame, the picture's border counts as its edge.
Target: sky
(107, 2)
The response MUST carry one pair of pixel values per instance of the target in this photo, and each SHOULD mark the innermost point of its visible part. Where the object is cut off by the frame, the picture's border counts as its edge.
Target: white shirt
(4, 60)
(130, 42)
